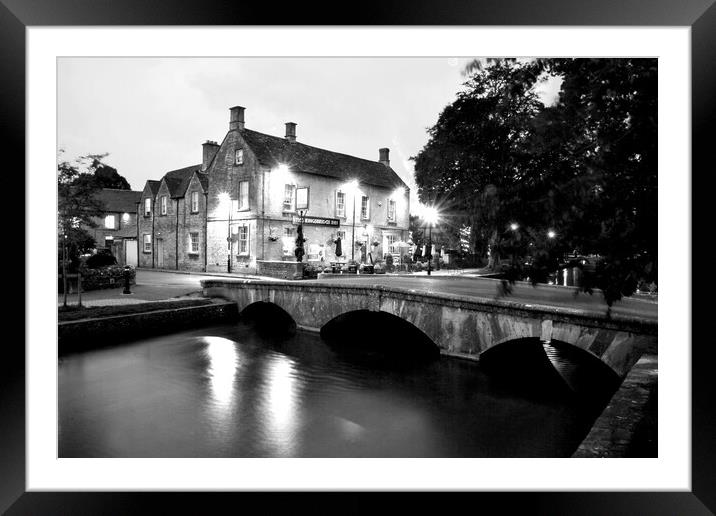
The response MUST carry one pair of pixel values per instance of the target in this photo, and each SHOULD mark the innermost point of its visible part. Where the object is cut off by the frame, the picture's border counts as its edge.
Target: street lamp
(551, 234)
(430, 215)
(225, 199)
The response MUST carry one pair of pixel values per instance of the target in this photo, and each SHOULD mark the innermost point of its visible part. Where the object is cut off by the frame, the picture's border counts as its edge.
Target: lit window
(364, 212)
(389, 244)
(125, 217)
(289, 197)
(288, 240)
(194, 202)
(164, 205)
(340, 204)
(243, 203)
(147, 207)
(194, 243)
(239, 157)
(147, 243)
(243, 240)
(110, 222)
(391, 210)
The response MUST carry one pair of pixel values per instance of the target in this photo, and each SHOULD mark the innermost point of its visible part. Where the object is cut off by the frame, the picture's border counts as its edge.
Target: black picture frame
(700, 15)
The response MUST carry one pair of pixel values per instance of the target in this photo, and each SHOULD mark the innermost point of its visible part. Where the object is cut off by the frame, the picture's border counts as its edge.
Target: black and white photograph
(357, 257)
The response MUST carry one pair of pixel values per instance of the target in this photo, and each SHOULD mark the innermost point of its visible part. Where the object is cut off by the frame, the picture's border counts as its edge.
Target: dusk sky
(152, 114)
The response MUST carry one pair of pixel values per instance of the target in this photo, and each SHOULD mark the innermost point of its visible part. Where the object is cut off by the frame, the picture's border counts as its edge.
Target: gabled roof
(154, 186)
(115, 200)
(271, 150)
(204, 180)
(178, 180)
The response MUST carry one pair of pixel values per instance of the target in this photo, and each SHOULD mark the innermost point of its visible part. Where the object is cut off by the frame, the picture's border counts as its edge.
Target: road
(522, 293)
(157, 285)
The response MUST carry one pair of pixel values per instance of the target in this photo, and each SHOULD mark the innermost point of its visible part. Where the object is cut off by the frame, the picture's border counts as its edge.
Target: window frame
(114, 221)
(340, 193)
(239, 156)
(194, 241)
(147, 239)
(394, 205)
(367, 207)
(239, 205)
(192, 197)
(163, 206)
(292, 208)
(147, 207)
(239, 240)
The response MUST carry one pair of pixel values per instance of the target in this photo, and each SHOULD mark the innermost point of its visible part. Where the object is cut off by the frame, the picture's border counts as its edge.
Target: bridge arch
(379, 332)
(268, 317)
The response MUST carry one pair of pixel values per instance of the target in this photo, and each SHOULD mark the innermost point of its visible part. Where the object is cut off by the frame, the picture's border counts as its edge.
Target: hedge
(111, 276)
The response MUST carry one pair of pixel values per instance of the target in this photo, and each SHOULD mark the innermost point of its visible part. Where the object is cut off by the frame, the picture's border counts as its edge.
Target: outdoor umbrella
(339, 250)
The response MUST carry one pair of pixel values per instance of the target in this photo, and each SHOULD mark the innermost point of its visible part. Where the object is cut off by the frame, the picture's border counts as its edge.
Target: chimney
(209, 150)
(291, 131)
(384, 156)
(237, 118)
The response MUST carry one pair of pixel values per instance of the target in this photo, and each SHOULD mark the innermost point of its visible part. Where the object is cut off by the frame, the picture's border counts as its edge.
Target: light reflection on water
(226, 392)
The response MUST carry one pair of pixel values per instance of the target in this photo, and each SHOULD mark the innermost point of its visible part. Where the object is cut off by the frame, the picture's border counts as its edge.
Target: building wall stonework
(165, 234)
(192, 258)
(145, 227)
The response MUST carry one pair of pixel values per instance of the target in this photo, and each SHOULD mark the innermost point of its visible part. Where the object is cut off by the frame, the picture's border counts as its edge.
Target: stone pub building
(238, 210)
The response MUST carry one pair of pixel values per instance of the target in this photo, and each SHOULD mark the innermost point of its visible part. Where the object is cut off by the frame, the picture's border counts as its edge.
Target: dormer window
(163, 205)
(239, 157)
(147, 207)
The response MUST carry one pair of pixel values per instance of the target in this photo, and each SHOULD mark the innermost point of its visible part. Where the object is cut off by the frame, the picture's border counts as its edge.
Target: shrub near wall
(106, 277)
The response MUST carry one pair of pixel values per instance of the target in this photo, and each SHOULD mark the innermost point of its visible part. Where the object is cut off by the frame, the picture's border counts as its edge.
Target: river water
(227, 391)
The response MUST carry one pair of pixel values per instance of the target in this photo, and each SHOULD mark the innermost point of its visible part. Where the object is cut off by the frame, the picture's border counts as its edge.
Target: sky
(152, 114)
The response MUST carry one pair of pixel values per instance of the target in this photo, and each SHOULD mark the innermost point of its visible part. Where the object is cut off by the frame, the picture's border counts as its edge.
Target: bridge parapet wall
(459, 325)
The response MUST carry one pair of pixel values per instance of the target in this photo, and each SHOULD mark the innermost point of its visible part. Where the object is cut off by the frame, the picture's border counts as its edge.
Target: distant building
(243, 204)
(116, 229)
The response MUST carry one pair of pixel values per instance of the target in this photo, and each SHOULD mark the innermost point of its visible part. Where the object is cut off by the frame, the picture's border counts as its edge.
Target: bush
(105, 277)
(310, 272)
(103, 258)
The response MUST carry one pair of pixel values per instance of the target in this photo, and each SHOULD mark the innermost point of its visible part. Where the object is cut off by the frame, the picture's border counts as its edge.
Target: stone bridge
(458, 325)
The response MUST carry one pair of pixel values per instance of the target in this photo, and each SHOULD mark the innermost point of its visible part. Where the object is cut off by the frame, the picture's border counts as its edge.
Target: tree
(102, 175)
(475, 164)
(77, 207)
(583, 169)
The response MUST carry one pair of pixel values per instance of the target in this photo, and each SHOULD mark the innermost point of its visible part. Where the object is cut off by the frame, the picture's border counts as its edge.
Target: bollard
(126, 280)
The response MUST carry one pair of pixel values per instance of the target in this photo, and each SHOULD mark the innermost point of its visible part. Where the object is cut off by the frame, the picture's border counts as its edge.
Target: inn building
(242, 204)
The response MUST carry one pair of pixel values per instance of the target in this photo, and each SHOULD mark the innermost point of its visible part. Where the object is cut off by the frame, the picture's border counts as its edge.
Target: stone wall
(280, 269)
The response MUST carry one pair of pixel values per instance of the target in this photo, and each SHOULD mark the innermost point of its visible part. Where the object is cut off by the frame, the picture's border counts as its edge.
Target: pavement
(157, 285)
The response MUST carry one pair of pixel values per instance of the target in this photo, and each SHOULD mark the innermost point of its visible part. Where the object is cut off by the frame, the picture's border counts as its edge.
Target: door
(160, 253)
(130, 252)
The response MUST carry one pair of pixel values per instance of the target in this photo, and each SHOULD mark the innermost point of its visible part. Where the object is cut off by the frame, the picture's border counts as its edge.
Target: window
(147, 207)
(389, 241)
(289, 242)
(239, 157)
(194, 243)
(289, 197)
(147, 243)
(364, 212)
(243, 240)
(125, 217)
(110, 222)
(340, 204)
(195, 202)
(164, 205)
(391, 210)
(243, 203)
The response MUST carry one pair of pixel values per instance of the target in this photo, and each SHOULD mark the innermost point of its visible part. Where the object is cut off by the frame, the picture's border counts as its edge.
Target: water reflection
(280, 404)
(223, 365)
(237, 394)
